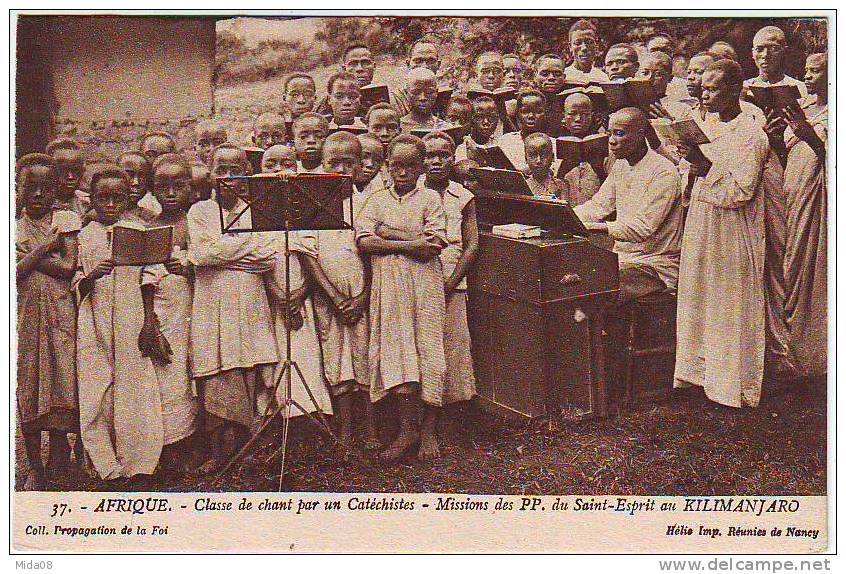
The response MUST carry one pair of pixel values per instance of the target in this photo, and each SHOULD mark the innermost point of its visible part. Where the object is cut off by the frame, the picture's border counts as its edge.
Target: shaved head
(771, 33)
(577, 101)
(420, 75)
(632, 117)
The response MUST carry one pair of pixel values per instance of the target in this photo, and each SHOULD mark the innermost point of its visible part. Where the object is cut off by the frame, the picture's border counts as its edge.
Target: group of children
(174, 365)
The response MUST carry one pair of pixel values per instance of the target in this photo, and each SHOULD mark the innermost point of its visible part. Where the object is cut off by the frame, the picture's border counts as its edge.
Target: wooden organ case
(535, 311)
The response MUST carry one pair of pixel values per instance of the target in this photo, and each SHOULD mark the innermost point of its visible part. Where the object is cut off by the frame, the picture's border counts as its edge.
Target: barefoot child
(167, 293)
(539, 158)
(406, 356)
(457, 258)
(45, 244)
(233, 348)
(310, 129)
(70, 165)
(343, 278)
(119, 400)
(298, 309)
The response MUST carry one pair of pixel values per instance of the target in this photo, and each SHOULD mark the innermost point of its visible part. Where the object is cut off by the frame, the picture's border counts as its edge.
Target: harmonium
(535, 310)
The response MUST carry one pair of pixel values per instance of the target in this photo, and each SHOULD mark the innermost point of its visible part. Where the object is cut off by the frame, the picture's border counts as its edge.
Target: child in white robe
(167, 291)
(457, 258)
(344, 278)
(119, 398)
(403, 229)
(233, 345)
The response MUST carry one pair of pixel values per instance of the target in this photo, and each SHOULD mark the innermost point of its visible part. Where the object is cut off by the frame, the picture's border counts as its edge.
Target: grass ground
(680, 445)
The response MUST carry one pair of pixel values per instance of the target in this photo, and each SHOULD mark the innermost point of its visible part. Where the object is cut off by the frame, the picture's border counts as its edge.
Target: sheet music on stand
(292, 202)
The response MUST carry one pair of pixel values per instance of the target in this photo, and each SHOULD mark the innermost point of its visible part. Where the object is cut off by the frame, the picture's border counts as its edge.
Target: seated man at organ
(643, 189)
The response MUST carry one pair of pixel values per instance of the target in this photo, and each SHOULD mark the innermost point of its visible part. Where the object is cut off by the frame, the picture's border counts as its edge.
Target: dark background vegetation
(464, 38)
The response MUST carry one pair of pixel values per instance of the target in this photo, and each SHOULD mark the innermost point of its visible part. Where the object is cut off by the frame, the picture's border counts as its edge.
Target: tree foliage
(462, 39)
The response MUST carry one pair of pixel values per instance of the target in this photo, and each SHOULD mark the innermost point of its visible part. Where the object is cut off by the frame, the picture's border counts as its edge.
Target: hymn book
(577, 150)
(500, 95)
(453, 131)
(489, 155)
(630, 93)
(501, 180)
(372, 94)
(775, 97)
(137, 246)
(680, 131)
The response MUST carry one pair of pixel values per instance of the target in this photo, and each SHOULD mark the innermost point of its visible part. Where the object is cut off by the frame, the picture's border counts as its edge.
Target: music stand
(290, 202)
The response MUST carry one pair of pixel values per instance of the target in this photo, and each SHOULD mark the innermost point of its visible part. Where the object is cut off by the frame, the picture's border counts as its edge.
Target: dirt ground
(681, 444)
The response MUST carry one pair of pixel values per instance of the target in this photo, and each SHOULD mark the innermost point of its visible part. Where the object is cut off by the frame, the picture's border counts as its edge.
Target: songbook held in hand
(680, 131)
(775, 97)
(372, 94)
(489, 155)
(137, 246)
(592, 91)
(499, 95)
(630, 93)
(578, 150)
(501, 180)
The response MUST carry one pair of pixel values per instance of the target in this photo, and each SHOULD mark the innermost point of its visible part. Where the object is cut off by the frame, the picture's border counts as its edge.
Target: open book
(372, 94)
(592, 91)
(501, 180)
(680, 131)
(499, 95)
(775, 97)
(136, 246)
(594, 146)
(632, 92)
(489, 155)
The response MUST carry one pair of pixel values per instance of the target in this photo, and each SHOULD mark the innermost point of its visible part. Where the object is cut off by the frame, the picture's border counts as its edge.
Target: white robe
(119, 401)
(721, 305)
(646, 197)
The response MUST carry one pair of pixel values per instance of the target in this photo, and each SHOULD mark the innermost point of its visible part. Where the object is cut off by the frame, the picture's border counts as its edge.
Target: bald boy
(768, 49)
(621, 62)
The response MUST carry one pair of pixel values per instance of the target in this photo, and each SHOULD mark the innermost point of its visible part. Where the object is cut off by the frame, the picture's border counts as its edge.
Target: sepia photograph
(466, 254)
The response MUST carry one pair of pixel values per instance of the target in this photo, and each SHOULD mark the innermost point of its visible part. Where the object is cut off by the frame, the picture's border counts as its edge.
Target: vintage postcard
(406, 283)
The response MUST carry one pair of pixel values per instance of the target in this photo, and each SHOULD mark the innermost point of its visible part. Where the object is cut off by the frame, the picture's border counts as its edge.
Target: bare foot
(402, 443)
(430, 449)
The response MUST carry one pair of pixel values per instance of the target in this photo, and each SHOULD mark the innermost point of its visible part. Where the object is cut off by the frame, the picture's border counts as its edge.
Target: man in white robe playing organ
(643, 188)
